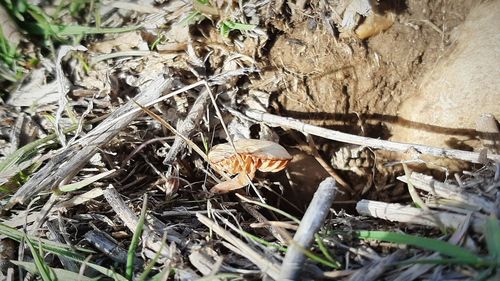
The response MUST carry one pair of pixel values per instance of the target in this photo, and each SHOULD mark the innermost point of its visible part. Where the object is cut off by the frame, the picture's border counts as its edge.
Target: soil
(357, 84)
(313, 72)
(340, 82)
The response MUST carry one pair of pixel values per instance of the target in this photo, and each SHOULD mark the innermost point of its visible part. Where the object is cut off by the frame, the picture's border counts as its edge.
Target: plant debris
(120, 122)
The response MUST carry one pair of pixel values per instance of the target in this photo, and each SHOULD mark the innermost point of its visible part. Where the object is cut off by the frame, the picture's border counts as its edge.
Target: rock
(462, 86)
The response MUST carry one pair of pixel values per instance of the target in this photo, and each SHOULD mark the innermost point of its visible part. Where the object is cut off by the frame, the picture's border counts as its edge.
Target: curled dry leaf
(250, 155)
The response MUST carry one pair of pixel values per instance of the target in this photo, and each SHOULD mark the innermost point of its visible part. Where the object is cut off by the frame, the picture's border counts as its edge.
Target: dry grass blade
(181, 137)
(78, 199)
(187, 127)
(418, 201)
(174, 131)
(63, 89)
(278, 232)
(256, 258)
(72, 158)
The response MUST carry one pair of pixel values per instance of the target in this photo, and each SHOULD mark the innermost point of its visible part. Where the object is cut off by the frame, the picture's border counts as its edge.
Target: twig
(376, 268)
(365, 141)
(450, 192)
(258, 259)
(311, 222)
(417, 200)
(327, 167)
(107, 245)
(407, 214)
(187, 126)
(72, 158)
(278, 232)
(150, 239)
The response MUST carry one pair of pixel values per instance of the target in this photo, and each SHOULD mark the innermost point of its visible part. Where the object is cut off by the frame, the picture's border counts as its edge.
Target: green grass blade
(192, 18)
(492, 236)
(103, 270)
(445, 261)
(162, 275)
(281, 212)
(129, 270)
(312, 256)
(445, 248)
(77, 29)
(59, 274)
(329, 261)
(239, 26)
(152, 263)
(325, 252)
(264, 242)
(220, 276)
(61, 250)
(42, 268)
(24, 152)
(47, 245)
(8, 52)
(67, 30)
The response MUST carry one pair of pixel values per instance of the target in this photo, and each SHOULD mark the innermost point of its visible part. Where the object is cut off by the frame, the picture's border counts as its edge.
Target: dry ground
(297, 62)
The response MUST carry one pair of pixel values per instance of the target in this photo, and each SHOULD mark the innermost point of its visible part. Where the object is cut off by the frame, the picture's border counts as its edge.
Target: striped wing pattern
(250, 155)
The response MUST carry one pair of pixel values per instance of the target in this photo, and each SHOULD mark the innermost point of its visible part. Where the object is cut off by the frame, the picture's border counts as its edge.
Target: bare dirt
(341, 82)
(357, 84)
(312, 71)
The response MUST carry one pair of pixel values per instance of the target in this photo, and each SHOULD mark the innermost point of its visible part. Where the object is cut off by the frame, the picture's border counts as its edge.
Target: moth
(244, 159)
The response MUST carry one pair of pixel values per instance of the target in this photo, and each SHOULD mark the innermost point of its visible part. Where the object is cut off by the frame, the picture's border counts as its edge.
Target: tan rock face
(463, 85)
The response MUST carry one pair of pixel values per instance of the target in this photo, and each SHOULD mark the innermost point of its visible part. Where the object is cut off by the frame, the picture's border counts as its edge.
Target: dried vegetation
(104, 144)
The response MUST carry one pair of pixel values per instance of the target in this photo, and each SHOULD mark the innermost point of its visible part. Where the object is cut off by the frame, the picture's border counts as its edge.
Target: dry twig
(108, 246)
(150, 239)
(311, 222)
(450, 192)
(376, 268)
(286, 122)
(407, 214)
(187, 126)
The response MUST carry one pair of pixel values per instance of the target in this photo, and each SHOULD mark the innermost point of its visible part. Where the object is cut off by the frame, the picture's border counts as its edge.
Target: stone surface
(463, 85)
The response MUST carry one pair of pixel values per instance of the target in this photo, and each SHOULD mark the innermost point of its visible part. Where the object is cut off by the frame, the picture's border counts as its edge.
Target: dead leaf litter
(252, 140)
